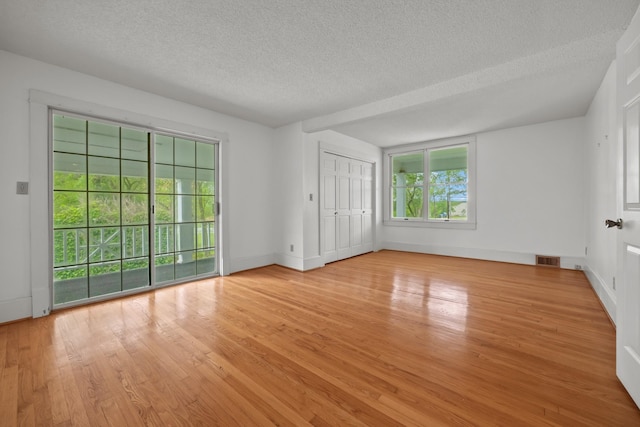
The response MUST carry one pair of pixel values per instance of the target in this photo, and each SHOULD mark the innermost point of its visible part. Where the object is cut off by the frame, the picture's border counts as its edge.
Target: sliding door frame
(151, 208)
(40, 187)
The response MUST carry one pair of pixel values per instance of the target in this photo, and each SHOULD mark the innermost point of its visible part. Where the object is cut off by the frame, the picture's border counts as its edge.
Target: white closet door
(329, 208)
(367, 207)
(344, 208)
(357, 211)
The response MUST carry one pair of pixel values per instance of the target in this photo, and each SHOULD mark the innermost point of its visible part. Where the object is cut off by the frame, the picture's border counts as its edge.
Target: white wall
(296, 160)
(248, 172)
(287, 193)
(600, 150)
(530, 195)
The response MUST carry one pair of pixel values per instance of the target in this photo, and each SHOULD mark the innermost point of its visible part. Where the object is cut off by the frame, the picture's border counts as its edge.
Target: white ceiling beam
(580, 51)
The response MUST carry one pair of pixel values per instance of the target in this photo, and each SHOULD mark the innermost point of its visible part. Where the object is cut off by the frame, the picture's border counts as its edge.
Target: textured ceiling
(386, 71)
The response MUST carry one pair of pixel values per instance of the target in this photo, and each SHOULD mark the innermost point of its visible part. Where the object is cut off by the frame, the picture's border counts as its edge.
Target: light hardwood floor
(383, 339)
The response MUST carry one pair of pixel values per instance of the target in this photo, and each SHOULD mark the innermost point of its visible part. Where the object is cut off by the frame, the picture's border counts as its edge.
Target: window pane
(69, 246)
(164, 239)
(104, 140)
(164, 149)
(206, 262)
(407, 182)
(449, 158)
(205, 208)
(135, 273)
(164, 268)
(69, 209)
(134, 176)
(407, 202)
(104, 244)
(134, 144)
(104, 209)
(185, 152)
(164, 209)
(185, 208)
(104, 278)
(206, 235)
(448, 202)
(164, 179)
(205, 157)
(185, 237)
(408, 169)
(70, 284)
(135, 209)
(448, 183)
(104, 174)
(69, 134)
(185, 180)
(185, 264)
(135, 241)
(205, 181)
(69, 172)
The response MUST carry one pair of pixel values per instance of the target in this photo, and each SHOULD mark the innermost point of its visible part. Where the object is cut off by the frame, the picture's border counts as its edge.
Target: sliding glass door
(104, 196)
(185, 237)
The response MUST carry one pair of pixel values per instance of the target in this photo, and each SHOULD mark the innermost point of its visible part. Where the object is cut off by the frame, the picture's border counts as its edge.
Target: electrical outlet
(311, 197)
(578, 267)
(291, 248)
(613, 282)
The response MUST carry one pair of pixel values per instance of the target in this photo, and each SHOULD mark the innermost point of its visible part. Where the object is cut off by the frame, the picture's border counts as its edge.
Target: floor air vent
(548, 261)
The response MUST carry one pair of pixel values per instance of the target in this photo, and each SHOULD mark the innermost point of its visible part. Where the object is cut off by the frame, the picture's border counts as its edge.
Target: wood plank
(387, 338)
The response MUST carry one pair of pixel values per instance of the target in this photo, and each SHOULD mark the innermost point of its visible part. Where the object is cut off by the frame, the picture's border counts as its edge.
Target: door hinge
(217, 210)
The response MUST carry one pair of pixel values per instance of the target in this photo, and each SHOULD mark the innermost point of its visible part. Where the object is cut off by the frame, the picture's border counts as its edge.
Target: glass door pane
(185, 226)
(100, 209)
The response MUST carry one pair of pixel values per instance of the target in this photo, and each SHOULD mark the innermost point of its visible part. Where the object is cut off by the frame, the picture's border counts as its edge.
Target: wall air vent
(548, 261)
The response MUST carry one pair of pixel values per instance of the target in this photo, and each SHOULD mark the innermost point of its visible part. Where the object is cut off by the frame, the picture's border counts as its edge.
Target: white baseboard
(572, 263)
(290, 261)
(40, 301)
(299, 264)
(247, 263)
(604, 292)
(15, 309)
(485, 254)
(313, 262)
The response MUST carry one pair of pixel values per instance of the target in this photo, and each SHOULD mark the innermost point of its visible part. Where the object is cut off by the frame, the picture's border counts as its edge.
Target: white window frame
(426, 147)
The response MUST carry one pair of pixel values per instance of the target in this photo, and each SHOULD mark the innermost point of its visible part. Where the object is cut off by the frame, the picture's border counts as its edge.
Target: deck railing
(104, 242)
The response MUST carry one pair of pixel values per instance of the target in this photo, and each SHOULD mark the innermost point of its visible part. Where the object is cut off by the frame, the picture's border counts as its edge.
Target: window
(432, 184)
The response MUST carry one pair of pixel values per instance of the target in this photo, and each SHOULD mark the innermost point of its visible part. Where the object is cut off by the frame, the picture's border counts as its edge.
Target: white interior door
(628, 274)
(344, 208)
(356, 207)
(329, 208)
(367, 207)
(361, 207)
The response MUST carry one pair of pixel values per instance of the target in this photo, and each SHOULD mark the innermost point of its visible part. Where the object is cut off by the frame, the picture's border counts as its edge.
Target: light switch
(22, 187)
